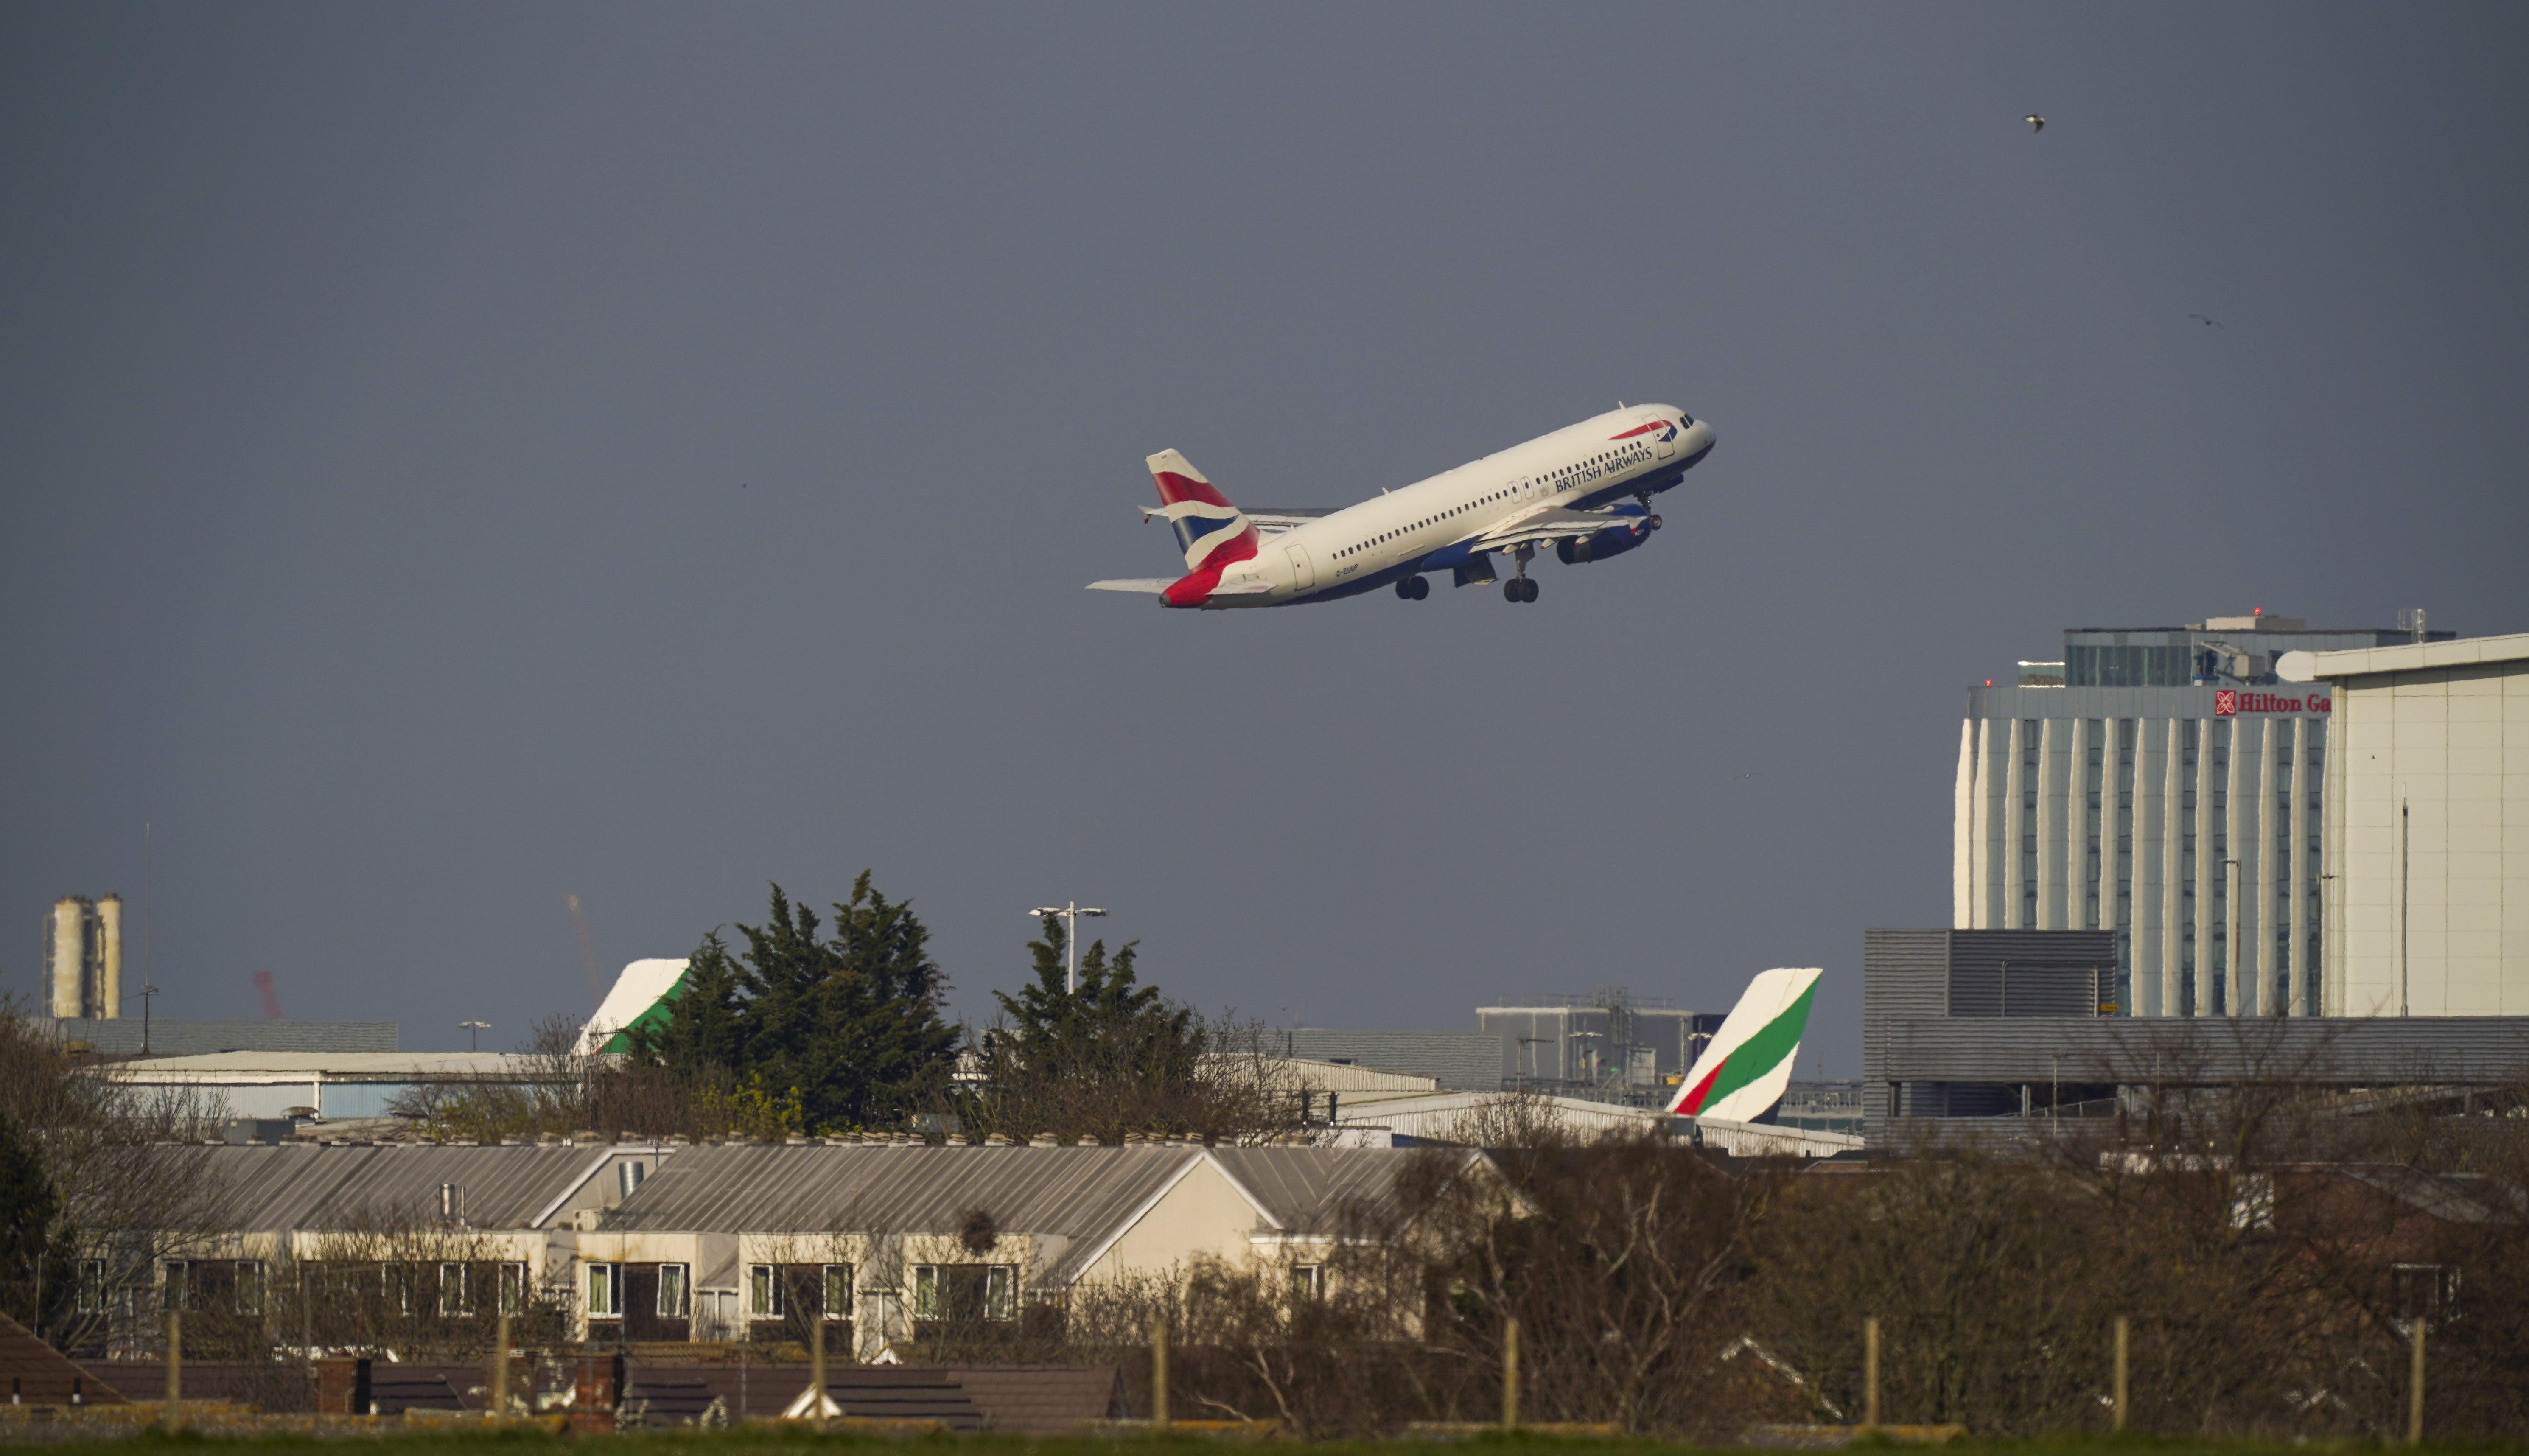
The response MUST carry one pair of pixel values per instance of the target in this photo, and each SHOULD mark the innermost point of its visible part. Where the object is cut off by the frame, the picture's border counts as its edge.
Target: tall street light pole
(1070, 914)
(473, 1030)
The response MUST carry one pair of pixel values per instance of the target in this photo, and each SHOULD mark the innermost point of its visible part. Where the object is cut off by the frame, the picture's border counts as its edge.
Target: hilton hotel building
(2164, 784)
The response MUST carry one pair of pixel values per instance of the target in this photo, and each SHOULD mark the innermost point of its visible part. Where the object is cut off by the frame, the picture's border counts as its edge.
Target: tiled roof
(40, 1375)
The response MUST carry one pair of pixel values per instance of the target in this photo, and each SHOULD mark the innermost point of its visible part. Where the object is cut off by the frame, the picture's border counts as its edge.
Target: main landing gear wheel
(1405, 588)
(1655, 523)
(1519, 589)
(1413, 588)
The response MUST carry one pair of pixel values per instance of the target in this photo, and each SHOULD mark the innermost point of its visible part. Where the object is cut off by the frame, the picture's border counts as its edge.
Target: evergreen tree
(850, 1021)
(35, 1270)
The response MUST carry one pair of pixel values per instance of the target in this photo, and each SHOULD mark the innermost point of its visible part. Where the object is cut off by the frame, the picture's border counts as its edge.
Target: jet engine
(1628, 533)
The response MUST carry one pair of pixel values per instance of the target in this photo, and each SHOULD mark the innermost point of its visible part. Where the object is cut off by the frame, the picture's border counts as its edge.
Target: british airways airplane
(1585, 489)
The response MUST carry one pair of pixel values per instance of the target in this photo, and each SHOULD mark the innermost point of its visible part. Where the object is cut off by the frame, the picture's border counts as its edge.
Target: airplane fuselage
(1513, 502)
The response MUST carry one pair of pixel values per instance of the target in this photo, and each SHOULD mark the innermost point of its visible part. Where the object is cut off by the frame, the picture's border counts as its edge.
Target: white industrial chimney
(84, 957)
(66, 954)
(108, 1000)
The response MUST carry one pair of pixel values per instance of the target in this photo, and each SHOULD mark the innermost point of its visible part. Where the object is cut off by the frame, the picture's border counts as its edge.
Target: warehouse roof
(2411, 657)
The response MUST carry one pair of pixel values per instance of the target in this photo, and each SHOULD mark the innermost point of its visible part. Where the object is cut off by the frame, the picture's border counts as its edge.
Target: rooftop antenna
(587, 950)
(2411, 620)
(148, 917)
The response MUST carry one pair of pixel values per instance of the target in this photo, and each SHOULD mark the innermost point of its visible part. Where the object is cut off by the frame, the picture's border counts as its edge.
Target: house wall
(1201, 1213)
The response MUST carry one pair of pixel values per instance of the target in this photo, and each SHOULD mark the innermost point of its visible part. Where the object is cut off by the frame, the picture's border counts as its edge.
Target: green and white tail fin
(1746, 1069)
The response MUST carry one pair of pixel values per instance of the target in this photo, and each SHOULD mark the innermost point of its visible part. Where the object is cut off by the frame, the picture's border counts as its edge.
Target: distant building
(2164, 784)
(2427, 828)
(1610, 1046)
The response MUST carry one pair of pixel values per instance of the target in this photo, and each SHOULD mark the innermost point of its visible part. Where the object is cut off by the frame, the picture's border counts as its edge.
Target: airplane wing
(1154, 585)
(1551, 524)
(1268, 522)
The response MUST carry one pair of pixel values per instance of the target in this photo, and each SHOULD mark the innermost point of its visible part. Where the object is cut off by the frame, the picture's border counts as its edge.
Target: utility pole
(1070, 914)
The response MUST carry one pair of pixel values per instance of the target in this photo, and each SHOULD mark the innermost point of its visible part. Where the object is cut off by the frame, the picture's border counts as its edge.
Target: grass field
(775, 1441)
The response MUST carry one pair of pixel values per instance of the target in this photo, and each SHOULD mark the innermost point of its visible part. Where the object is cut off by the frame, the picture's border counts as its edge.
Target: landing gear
(1655, 523)
(1413, 588)
(1518, 589)
(1645, 498)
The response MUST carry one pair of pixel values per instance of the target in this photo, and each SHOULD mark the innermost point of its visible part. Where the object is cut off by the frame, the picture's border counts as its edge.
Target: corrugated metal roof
(183, 1037)
(298, 1186)
(227, 1064)
(1078, 1193)
(1460, 1060)
(1311, 1190)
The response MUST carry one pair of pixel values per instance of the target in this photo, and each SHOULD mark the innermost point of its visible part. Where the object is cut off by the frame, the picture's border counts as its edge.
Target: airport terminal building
(2164, 784)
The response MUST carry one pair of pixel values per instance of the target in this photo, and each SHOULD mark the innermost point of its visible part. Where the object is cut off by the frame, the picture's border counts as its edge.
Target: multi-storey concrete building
(2163, 783)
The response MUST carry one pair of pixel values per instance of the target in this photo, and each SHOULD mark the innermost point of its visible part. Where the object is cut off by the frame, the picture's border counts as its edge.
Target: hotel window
(452, 1291)
(178, 1275)
(248, 1287)
(839, 1291)
(91, 1286)
(513, 1288)
(1309, 1280)
(605, 1290)
(671, 1290)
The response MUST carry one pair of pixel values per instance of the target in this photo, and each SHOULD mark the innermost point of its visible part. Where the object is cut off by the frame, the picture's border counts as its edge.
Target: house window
(452, 1291)
(513, 1288)
(839, 1291)
(248, 1290)
(2423, 1291)
(178, 1275)
(91, 1286)
(965, 1291)
(1309, 1280)
(605, 1290)
(764, 1292)
(671, 1290)
(398, 1284)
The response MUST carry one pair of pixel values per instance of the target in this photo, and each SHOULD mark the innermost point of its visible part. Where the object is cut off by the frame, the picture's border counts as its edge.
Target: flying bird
(2036, 123)
(2209, 323)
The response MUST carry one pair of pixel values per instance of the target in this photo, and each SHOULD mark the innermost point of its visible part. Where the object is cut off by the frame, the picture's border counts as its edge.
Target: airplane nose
(1699, 440)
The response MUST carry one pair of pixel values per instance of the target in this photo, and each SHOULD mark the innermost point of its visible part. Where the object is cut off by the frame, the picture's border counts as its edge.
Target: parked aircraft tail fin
(1212, 531)
(1744, 1069)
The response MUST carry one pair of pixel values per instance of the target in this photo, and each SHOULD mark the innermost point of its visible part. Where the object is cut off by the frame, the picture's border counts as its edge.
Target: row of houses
(329, 1245)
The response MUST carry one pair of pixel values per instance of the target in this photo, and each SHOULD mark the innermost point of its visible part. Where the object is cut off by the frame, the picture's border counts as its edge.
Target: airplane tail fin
(1212, 532)
(1744, 1069)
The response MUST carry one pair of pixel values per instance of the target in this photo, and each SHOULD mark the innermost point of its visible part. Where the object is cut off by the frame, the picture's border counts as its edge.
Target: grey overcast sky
(462, 456)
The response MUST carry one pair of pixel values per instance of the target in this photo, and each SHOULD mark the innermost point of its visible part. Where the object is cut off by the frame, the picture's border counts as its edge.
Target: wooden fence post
(1870, 1373)
(1160, 1373)
(501, 1366)
(176, 1371)
(2416, 1389)
(1510, 1374)
(817, 1367)
(2120, 1371)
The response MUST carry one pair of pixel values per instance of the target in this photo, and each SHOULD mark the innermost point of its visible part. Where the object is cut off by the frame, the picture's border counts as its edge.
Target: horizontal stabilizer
(1152, 586)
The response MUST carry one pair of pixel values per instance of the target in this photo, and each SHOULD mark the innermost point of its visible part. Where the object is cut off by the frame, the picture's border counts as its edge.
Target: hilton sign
(2230, 702)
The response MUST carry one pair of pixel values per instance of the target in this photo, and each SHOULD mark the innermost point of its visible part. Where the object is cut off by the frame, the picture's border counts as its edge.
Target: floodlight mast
(1070, 914)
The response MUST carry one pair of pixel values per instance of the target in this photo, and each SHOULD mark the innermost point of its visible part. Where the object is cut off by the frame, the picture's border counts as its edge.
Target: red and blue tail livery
(1583, 492)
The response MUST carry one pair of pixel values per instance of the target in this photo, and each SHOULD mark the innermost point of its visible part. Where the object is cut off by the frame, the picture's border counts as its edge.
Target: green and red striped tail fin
(1744, 1069)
